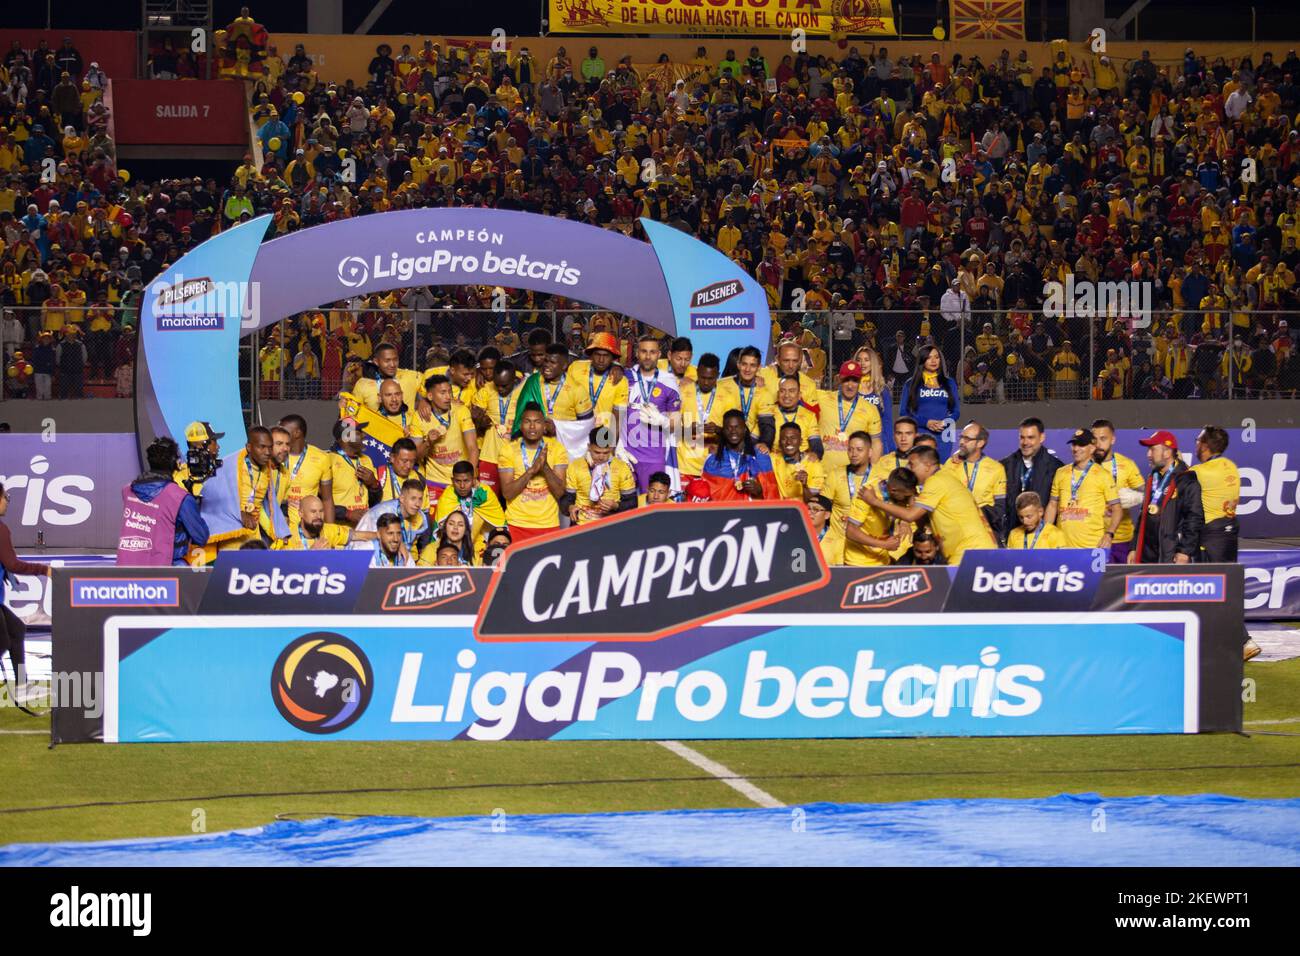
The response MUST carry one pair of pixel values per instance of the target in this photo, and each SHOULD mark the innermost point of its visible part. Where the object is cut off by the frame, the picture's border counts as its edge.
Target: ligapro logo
(1021, 581)
(353, 271)
(652, 572)
(278, 582)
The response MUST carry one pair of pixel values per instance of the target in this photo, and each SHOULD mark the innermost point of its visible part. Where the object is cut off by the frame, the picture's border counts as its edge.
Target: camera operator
(202, 457)
(160, 520)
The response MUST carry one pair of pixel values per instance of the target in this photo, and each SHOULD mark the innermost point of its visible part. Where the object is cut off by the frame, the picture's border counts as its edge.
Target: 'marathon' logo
(652, 572)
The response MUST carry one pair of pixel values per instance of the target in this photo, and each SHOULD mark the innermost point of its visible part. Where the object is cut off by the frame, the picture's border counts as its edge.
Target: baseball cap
(199, 432)
(603, 341)
(850, 370)
(1082, 436)
(1161, 437)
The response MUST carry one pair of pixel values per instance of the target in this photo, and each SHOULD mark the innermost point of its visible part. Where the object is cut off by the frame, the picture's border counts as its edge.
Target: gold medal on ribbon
(740, 485)
(1153, 509)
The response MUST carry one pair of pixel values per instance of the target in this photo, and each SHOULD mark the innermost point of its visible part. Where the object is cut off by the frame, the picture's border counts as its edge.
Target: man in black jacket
(1171, 519)
(1032, 468)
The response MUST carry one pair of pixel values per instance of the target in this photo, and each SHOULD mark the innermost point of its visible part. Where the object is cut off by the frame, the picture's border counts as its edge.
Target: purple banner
(1270, 481)
(1272, 585)
(65, 489)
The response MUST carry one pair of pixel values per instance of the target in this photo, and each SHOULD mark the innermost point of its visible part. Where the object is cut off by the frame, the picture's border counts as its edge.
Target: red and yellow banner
(987, 19)
(816, 17)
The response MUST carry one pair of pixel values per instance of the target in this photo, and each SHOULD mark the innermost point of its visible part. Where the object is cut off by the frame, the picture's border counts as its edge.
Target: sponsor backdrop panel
(30, 595)
(65, 488)
(763, 677)
(79, 477)
(442, 648)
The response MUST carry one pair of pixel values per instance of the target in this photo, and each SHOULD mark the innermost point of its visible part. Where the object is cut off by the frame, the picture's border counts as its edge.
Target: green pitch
(96, 792)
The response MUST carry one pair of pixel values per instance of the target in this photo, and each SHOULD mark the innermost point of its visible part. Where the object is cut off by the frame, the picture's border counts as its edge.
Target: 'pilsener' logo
(652, 572)
(427, 590)
(718, 292)
(886, 588)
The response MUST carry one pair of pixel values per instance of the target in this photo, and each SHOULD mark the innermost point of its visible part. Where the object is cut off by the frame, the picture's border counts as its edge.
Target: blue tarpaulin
(1067, 830)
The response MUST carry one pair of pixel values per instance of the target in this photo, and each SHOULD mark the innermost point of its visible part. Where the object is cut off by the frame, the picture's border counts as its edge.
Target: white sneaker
(1250, 650)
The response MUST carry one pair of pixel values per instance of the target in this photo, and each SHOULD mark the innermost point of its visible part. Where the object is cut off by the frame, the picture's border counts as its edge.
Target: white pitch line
(1280, 720)
(725, 774)
(45, 733)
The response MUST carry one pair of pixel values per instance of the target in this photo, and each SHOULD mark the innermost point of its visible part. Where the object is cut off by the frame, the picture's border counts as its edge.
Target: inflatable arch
(195, 312)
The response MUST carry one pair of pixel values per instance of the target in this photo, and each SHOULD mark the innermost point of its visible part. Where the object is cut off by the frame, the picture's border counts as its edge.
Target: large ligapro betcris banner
(793, 650)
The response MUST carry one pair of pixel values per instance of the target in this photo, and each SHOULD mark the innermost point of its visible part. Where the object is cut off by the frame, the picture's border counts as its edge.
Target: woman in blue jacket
(931, 397)
(875, 390)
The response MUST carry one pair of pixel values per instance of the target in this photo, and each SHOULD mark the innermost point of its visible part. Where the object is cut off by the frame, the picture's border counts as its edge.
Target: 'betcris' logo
(250, 581)
(125, 592)
(427, 590)
(651, 573)
(718, 292)
(707, 321)
(1063, 579)
(1174, 588)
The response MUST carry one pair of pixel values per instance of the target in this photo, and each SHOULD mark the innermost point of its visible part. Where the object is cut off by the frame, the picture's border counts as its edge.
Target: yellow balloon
(123, 175)
(299, 98)
(274, 144)
(938, 32)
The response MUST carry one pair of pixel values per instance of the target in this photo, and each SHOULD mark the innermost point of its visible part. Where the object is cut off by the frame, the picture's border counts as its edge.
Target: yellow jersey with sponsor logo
(1125, 473)
(577, 480)
(986, 479)
(1082, 495)
(697, 410)
(534, 507)
(306, 470)
(875, 523)
(743, 398)
(954, 516)
(1043, 537)
(1220, 487)
(449, 446)
(801, 416)
(786, 476)
(332, 536)
(840, 417)
(367, 389)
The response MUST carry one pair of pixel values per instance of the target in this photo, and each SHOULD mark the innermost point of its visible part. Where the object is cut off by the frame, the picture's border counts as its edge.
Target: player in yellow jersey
(843, 412)
(478, 502)
(742, 391)
(798, 473)
(788, 364)
(843, 484)
(787, 409)
(944, 499)
(395, 409)
(698, 400)
(1085, 501)
(1128, 482)
(1220, 494)
(308, 469)
(904, 439)
(832, 546)
(603, 380)
(985, 477)
(386, 362)
(1033, 532)
(679, 352)
(532, 470)
(451, 436)
(314, 533)
(598, 484)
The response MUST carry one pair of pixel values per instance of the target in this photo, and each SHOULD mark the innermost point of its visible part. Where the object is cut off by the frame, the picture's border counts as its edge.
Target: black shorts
(1219, 541)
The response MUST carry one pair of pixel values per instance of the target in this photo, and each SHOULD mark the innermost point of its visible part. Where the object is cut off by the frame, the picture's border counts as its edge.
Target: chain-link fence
(995, 356)
(68, 352)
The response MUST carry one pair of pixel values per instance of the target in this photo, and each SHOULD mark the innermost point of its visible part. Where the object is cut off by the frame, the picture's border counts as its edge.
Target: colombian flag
(722, 477)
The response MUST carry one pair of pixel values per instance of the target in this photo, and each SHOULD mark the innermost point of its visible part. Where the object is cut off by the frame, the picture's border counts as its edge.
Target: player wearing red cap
(843, 412)
(1172, 516)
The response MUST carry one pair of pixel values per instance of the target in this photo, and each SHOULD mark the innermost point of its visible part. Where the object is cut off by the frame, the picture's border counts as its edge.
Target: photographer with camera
(202, 457)
(160, 519)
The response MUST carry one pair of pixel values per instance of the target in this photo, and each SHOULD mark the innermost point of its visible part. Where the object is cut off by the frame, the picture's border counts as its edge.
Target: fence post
(1092, 356)
(555, 328)
(279, 358)
(1232, 358)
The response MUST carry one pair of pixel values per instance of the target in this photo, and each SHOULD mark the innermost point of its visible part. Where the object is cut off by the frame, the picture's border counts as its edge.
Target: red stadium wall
(115, 51)
(180, 113)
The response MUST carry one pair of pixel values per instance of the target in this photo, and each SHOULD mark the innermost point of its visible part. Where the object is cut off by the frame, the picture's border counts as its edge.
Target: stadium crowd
(885, 203)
